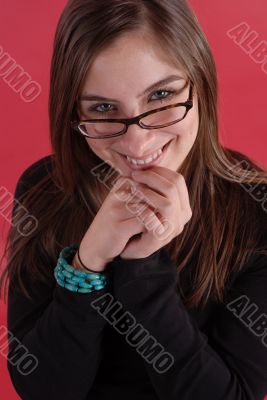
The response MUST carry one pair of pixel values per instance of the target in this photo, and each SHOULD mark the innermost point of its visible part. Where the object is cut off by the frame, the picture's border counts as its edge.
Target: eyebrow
(165, 81)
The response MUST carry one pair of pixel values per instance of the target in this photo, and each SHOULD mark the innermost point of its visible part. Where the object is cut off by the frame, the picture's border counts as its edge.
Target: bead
(71, 287)
(77, 279)
(70, 281)
(80, 273)
(74, 279)
(67, 274)
(65, 251)
(69, 268)
(62, 261)
(59, 267)
(97, 282)
(56, 274)
(85, 285)
(93, 276)
(60, 275)
(98, 287)
(83, 290)
(60, 282)
(66, 266)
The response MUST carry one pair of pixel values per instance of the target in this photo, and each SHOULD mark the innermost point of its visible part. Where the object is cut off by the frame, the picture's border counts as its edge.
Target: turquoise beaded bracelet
(73, 279)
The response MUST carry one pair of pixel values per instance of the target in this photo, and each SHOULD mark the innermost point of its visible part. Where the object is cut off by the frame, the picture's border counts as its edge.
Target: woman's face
(119, 76)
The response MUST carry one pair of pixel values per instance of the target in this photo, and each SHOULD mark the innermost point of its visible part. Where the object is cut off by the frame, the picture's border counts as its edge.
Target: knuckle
(168, 204)
(171, 188)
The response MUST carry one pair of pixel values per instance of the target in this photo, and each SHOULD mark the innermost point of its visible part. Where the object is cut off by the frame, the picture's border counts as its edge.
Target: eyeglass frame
(136, 120)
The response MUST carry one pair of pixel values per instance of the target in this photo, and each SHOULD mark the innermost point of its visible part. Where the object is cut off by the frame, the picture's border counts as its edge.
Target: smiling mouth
(150, 161)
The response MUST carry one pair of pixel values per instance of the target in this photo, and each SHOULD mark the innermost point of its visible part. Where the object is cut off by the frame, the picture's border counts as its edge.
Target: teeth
(147, 160)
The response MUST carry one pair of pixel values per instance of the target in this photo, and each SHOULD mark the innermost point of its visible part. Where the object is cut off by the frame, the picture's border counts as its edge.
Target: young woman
(139, 190)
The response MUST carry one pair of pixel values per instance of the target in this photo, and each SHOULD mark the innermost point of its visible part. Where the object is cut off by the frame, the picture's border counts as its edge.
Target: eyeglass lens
(158, 119)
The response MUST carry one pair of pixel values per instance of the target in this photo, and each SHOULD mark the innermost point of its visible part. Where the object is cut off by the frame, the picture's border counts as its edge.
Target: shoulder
(33, 174)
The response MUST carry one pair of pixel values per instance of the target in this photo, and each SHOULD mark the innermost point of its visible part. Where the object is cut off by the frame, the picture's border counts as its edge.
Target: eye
(162, 94)
(104, 109)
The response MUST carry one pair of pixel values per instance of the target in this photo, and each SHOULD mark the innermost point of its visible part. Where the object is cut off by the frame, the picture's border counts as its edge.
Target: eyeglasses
(153, 119)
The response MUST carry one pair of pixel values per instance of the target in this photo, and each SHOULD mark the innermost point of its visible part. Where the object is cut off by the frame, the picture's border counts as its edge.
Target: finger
(123, 188)
(164, 172)
(183, 195)
(150, 220)
(155, 181)
(152, 198)
(171, 176)
(179, 181)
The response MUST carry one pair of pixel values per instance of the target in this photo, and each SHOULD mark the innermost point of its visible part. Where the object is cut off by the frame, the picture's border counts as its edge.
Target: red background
(26, 33)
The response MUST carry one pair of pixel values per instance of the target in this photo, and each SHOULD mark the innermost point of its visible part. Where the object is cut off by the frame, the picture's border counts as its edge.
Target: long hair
(228, 222)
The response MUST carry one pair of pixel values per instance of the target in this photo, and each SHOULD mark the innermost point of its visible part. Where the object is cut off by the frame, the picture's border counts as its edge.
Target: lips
(148, 155)
(150, 164)
(145, 157)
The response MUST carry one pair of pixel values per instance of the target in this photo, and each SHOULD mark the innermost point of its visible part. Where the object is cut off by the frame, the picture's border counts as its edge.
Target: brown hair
(227, 225)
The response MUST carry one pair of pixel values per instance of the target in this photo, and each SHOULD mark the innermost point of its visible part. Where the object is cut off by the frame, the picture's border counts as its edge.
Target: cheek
(190, 128)
(185, 129)
(97, 146)
(187, 133)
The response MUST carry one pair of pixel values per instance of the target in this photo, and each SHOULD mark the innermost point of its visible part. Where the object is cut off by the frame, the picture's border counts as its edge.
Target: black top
(135, 339)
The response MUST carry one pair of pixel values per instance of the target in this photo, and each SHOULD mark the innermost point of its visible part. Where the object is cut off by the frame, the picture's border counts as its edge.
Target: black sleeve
(54, 340)
(230, 363)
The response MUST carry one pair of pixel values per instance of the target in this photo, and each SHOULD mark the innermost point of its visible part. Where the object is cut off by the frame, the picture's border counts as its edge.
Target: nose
(137, 141)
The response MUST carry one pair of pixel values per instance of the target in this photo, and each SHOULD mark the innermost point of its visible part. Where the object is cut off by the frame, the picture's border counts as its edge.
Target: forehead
(130, 64)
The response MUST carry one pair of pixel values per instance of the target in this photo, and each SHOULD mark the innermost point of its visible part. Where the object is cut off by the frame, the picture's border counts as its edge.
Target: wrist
(73, 277)
(96, 266)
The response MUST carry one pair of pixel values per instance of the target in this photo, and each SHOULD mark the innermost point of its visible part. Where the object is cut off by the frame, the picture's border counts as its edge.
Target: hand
(168, 210)
(113, 226)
